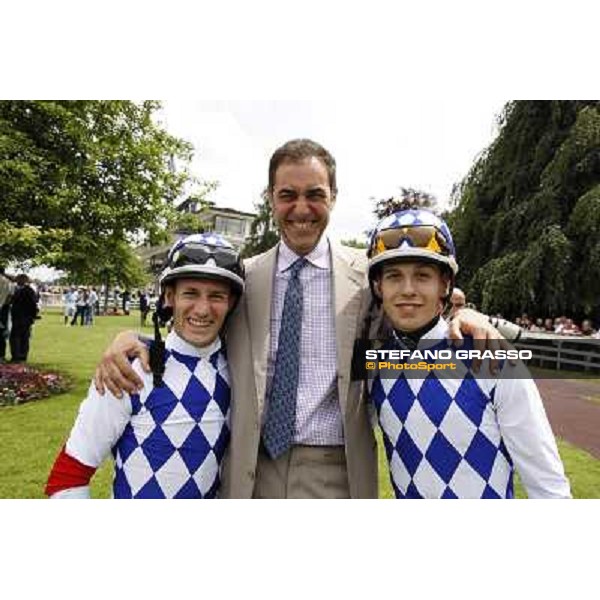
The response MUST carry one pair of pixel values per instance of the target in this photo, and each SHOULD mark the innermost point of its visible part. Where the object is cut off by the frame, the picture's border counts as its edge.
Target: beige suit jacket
(247, 349)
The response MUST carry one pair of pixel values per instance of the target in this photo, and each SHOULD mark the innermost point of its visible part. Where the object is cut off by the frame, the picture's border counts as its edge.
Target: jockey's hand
(485, 337)
(115, 372)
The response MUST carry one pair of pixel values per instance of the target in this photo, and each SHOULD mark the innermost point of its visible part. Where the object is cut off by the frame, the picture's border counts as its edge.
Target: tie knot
(298, 266)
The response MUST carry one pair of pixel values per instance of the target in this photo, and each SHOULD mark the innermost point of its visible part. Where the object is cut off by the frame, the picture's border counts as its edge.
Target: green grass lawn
(32, 434)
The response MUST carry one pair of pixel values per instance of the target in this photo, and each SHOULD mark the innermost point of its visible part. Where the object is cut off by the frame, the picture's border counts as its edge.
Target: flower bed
(21, 383)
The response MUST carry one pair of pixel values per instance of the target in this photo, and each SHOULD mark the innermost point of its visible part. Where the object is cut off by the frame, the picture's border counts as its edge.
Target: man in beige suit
(300, 427)
(333, 449)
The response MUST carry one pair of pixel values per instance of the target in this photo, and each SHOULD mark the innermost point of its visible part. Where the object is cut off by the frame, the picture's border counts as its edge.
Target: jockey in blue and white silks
(454, 434)
(169, 439)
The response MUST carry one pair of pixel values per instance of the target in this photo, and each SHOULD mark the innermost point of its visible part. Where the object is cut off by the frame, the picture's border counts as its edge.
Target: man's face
(199, 309)
(457, 301)
(412, 294)
(301, 201)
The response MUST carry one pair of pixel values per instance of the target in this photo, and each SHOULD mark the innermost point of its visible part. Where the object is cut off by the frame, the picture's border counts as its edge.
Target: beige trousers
(305, 472)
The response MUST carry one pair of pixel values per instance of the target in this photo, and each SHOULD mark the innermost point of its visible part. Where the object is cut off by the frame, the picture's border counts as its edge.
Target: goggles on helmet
(426, 237)
(205, 255)
(199, 254)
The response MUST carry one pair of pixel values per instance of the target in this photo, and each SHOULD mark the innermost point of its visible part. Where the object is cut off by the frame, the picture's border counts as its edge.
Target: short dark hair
(301, 149)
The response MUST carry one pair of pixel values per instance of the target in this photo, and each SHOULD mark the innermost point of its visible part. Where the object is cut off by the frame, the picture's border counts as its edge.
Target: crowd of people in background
(84, 303)
(561, 325)
(22, 301)
(93, 301)
(80, 303)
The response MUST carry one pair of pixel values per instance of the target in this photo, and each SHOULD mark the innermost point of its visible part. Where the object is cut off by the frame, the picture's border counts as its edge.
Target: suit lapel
(348, 283)
(259, 286)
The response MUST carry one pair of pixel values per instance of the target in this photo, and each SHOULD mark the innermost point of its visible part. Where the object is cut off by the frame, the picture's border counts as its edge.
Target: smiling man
(303, 432)
(456, 435)
(168, 439)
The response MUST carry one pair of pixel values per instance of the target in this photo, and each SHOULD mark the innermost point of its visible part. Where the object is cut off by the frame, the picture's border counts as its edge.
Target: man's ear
(447, 281)
(232, 300)
(169, 296)
(377, 288)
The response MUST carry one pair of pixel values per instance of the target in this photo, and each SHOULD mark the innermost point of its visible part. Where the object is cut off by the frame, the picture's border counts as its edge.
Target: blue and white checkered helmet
(414, 233)
(204, 256)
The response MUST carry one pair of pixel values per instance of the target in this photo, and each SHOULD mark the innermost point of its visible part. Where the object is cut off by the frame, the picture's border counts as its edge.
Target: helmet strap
(157, 353)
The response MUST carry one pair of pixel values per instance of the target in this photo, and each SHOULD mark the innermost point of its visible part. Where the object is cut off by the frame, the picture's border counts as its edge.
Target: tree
(409, 198)
(526, 219)
(263, 231)
(81, 178)
(115, 262)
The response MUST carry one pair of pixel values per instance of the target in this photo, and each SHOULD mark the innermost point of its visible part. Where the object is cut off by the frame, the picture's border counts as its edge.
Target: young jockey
(449, 434)
(169, 439)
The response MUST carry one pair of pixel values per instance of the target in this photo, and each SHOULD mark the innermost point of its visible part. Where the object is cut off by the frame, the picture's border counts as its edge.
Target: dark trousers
(19, 340)
(4, 312)
(79, 312)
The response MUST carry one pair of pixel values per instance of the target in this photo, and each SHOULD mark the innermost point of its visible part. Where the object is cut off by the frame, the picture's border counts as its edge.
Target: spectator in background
(125, 301)
(559, 324)
(80, 306)
(23, 312)
(457, 301)
(7, 288)
(587, 329)
(549, 325)
(144, 307)
(91, 307)
(70, 301)
(570, 328)
(525, 321)
(152, 300)
(116, 298)
(538, 326)
(97, 303)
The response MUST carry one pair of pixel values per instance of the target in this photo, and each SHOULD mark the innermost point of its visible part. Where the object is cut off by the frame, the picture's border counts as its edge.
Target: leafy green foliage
(263, 231)
(81, 179)
(526, 219)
